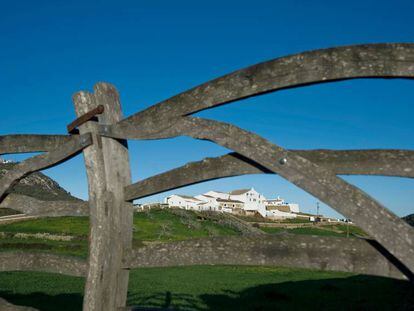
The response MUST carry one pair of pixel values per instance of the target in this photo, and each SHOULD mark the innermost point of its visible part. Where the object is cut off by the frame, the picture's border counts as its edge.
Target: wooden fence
(101, 133)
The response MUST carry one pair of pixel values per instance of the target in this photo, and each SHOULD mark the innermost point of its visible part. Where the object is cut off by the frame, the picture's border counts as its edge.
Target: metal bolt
(282, 161)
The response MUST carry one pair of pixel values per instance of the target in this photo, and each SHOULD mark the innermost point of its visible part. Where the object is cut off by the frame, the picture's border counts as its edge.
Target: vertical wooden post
(108, 171)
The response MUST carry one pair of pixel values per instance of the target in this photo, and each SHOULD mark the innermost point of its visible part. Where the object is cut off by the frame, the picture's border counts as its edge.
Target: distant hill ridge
(38, 185)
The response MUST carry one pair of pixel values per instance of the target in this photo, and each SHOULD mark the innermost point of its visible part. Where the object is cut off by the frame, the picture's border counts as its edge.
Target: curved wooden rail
(31, 143)
(44, 262)
(49, 159)
(319, 66)
(392, 232)
(34, 207)
(341, 162)
(313, 171)
(312, 252)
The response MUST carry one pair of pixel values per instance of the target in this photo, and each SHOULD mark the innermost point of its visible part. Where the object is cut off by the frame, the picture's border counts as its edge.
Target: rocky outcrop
(38, 185)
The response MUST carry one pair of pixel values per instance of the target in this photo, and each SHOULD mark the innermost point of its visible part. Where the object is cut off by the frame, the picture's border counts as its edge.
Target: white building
(251, 199)
(209, 203)
(198, 203)
(231, 206)
(183, 201)
(275, 202)
(217, 194)
(277, 214)
(294, 207)
(241, 201)
(278, 208)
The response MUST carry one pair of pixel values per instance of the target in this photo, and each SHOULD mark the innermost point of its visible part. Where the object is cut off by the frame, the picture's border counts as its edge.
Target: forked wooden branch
(391, 231)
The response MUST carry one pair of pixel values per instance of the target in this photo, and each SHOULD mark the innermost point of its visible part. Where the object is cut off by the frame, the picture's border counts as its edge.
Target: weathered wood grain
(109, 177)
(44, 262)
(342, 162)
(46, 160)
(31, 143)
(107, 166)
(288, 250)
(388, 229)
(72, 127)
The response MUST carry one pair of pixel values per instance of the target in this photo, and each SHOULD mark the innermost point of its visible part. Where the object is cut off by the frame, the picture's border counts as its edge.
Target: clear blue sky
(151, 50)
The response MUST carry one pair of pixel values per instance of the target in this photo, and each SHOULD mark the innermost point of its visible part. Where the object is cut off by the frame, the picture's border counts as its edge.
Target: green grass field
(219, 288)
(157, 225)
(78, 227)
(198, 287)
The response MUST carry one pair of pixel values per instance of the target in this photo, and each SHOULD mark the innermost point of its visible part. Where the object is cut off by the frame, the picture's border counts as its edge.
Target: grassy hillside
(148, 227)
(172, 225)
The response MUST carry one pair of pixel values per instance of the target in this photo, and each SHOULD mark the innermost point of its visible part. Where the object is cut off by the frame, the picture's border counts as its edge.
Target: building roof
(274, 200)
(231, 201)
(203, 203)
(239, 191)
(187, 197)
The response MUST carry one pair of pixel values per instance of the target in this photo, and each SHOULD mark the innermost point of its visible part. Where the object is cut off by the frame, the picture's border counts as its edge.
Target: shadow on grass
(45, 302)
(352, 293)
(165, 301)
